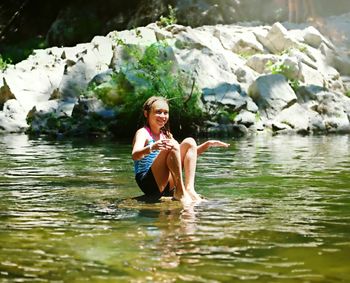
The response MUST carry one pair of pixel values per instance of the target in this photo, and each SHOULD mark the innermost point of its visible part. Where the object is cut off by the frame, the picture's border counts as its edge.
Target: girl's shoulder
(144, 132)
(141, 137)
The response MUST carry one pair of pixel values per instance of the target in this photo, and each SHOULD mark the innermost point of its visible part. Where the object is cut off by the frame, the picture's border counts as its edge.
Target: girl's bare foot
(184, 197)
(194, 195)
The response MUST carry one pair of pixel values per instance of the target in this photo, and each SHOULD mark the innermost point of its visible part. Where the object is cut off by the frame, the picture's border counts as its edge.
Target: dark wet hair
(147, 106)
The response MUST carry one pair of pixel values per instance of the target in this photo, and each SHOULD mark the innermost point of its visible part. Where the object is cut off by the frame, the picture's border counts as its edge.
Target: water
(278, 210)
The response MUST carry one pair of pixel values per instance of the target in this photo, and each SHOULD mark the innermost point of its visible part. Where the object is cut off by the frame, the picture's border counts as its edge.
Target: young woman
(159, 160)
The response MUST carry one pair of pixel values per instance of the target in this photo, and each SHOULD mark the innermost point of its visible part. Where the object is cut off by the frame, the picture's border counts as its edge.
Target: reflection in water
(278, 210)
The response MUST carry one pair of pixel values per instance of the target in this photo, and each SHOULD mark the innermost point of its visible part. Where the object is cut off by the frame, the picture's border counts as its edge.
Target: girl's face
(158, 116)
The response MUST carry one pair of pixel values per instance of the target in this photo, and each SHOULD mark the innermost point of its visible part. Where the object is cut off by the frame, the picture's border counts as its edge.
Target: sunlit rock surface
(253, 71)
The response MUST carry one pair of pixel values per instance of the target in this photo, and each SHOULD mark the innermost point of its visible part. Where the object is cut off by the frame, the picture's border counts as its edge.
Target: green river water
(277, 210)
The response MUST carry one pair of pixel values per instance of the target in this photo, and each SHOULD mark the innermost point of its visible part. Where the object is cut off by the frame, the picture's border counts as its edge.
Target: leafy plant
(278, 68)
(285, 70)
(294, 83)
(144, 74)
(157, 72)
(15, 53)
(224, 115)
(257, 116)
(112, 91)
(4, 63)
(170, 19)
(302, 48)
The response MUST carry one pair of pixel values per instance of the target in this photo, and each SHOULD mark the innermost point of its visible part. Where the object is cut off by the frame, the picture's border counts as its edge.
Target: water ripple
(277, 210)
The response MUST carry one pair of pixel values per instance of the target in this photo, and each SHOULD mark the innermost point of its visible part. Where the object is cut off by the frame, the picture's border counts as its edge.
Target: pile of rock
(269, 77)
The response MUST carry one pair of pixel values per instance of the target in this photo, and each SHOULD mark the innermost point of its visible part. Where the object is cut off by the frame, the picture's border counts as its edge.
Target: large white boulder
(272, 94)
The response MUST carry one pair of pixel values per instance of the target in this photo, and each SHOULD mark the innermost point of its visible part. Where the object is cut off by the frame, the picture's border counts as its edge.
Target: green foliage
(21, 50)
(289, 51)
(155, 69)
(294, 83)
(144, 74)
(257, 116)
(4, 63)
(285, 70)
(347, 93)
(223, 115)
(220, 113)
(246, 54)
(170, 19)
(112, 91)
(303, 48)
(278, 68)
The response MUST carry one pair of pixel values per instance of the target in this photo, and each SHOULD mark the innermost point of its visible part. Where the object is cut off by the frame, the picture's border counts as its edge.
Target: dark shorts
(148, 185)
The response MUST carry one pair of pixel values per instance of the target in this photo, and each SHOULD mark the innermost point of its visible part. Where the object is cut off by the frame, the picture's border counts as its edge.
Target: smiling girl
(159, 160)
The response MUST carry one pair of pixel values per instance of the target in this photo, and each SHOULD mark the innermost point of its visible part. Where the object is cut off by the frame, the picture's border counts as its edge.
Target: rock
(209, 69)
(278, 126)
(226, 94)
(308, 93)
(246, 118)
(46, 107)
(312, 37)
(95, 58)
(5, 94)
(251, 106)
(245, 75)
(86, 106)
(160, 33)
(141, 36)
(291, 67)
(101, 77)
(225, 61)
(228, 130)
(240, 42)
(13, 117)
(278, 40)
(260, 62)
(342, 64)
(338, 124)
(198, 39)
(272, 94)
(31, 88)
(296, 117)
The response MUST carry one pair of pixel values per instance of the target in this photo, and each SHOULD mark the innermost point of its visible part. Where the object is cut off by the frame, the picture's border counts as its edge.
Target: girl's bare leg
(188, 149)
(175, 168)
(166, 163)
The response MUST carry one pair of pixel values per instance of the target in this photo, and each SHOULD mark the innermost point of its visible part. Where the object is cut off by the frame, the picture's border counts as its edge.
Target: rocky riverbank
(278, 79)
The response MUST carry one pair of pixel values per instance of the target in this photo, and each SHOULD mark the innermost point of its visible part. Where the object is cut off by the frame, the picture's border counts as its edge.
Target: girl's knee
(189, 142)
(176, 146)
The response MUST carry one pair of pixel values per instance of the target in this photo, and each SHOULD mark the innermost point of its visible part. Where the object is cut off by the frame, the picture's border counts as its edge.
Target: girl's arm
(139, 149)
(211, 143)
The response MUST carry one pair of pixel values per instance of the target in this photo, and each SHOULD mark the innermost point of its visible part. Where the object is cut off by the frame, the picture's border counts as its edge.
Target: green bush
(146, 73)
(285, 70)
(170, 19)
(15, 53)
(112, 91)
(4, 63)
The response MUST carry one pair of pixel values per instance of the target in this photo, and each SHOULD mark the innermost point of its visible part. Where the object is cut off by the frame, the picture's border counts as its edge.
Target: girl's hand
(210, 143)
(164, 144)
(217, 143)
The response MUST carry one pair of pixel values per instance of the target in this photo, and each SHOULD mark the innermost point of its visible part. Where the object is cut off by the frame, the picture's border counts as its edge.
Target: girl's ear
(145, 113)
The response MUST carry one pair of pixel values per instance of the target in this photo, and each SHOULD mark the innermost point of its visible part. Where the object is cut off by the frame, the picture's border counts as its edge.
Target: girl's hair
(147, 106)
